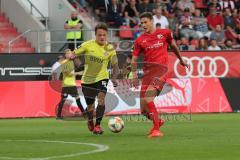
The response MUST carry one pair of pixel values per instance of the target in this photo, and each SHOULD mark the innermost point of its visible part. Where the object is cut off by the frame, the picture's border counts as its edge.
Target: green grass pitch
(206, 136)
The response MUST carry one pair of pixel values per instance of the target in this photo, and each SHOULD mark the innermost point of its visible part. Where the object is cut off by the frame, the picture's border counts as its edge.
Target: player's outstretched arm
(78, 73)
(115, 69)
(177, 53)
(77, 52)
(115, 73)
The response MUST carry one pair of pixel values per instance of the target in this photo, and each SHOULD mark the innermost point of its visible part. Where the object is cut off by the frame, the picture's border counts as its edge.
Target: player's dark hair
(146, 15)
(101, 26)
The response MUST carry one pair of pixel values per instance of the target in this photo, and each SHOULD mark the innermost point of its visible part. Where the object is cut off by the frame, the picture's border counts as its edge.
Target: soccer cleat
(90, 126)
(98, 130)
(160, 122)
(155, 133)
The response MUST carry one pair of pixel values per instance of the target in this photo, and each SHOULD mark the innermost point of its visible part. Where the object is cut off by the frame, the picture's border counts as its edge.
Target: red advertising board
(38, 99)
(198, 89)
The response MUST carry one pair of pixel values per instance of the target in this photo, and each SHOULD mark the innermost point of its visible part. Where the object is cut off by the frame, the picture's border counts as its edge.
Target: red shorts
(155, 77)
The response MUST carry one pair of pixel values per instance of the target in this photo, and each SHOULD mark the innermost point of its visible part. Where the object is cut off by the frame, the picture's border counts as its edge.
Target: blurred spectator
(234, 13)
(74, 23)
(200, 24)
(177, 11)
(231, 34)
(214, 19)
(164, 4)
(237, 17)
(145, 6)
(114, 14)
(173, 23)
(203, 44)
(228, 44)
(159, 18)
(186, 25)
(126, 2)
(218, 35)
(83, 3)
(227, 4)
(158, 3)
(228, 18)
(131, 13)
(183, 4)
(213, 46)
(184, 45)
(237, 30)
(215, 3)
(100, 8)
(237, 4)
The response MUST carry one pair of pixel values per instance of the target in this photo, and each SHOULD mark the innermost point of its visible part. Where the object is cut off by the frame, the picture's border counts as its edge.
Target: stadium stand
(8, 32)
(172, 6)
(123, 17)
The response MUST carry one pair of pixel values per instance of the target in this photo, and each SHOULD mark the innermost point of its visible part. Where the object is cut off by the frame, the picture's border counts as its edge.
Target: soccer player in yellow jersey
(68, 84)
(98, 53)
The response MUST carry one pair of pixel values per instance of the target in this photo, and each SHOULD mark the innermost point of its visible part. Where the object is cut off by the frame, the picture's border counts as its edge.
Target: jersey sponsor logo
(110, 47)
(25, 71)
(156, 45)
(204, 67)
(96, 59)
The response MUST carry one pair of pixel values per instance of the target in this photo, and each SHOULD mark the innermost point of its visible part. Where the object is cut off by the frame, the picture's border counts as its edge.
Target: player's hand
(70, 55)
(114, 82)
(184, 63)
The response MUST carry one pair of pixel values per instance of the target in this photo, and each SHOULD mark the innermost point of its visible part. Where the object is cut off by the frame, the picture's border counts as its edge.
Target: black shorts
(90, 91)
(70, 91)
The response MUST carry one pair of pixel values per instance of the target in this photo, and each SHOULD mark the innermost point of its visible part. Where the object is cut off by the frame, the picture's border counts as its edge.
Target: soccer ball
(115, 124)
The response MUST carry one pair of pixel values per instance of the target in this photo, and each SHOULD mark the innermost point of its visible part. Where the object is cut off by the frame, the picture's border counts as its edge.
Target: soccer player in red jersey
(153, 43)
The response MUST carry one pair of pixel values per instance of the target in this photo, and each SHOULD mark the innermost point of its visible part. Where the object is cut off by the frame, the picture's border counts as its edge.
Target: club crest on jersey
(109, 47)
(159, 36)
(106, 53)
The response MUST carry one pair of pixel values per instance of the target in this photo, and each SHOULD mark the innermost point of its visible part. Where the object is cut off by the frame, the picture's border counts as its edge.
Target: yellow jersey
(69, 79)
(96, 58)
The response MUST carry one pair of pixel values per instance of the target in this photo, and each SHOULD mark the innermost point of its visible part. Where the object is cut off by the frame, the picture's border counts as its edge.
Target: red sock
(153, 114)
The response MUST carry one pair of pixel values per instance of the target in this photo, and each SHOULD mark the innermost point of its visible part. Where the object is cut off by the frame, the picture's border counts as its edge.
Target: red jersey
(154, 46)
(215, 20)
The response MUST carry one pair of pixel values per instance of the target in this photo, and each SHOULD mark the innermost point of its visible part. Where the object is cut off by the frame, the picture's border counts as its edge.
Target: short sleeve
(113, 58)
(136, 49)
